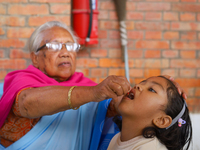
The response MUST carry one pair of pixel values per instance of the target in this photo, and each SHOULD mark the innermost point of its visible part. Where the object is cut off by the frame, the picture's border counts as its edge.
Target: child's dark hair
(175, 137)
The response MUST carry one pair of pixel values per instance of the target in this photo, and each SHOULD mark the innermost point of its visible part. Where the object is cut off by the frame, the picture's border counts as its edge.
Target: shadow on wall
(195, 124)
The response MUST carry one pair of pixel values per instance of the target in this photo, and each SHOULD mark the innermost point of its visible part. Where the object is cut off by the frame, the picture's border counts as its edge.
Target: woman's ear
(162, 121)
(34, 58)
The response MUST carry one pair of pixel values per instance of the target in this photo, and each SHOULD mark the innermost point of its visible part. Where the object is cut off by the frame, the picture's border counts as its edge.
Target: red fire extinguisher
(85, 21)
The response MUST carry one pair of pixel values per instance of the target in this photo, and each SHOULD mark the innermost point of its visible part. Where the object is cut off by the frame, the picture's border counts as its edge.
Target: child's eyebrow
(158, 84)
(143, 81)
(154, 82)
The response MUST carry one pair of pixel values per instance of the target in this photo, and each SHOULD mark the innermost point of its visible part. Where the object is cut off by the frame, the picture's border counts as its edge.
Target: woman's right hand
(111, 87)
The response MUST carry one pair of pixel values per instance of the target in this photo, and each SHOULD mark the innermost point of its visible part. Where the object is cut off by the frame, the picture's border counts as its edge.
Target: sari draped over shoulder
(81, 129)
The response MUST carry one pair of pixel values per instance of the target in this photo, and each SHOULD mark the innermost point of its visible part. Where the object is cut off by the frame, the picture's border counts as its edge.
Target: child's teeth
(131, 95)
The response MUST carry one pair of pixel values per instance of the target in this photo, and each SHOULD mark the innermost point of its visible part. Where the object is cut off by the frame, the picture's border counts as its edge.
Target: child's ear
(162, 121)
(34, 59)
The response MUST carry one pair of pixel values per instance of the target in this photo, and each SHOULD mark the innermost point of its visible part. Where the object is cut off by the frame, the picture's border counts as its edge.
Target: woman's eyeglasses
(56, 46)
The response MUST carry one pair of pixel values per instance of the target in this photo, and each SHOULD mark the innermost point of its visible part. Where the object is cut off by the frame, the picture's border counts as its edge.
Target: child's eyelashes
(152, 90)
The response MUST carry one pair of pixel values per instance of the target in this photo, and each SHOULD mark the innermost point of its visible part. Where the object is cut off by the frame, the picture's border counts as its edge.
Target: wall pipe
(121, 13)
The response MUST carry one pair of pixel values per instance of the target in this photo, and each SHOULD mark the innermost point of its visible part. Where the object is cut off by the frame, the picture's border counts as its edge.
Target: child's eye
(152, 90)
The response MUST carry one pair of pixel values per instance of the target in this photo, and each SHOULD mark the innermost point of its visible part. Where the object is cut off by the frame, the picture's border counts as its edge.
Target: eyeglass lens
(58, 46)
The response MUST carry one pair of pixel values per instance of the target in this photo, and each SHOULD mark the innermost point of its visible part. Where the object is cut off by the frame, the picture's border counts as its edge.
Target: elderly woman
(33, 98)
(49, 105)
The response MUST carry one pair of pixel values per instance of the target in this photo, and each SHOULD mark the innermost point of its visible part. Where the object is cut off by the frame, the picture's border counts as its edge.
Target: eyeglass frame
(78, 46)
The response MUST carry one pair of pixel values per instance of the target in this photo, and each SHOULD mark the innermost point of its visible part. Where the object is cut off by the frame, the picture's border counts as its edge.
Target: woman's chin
(61, 78)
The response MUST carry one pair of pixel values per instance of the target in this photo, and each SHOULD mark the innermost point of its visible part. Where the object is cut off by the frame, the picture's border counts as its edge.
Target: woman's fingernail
(171, 78)
(180, 91)
(185, 96)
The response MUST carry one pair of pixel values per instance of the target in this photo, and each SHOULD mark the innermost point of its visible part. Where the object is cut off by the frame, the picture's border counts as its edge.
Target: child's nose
(138, 87)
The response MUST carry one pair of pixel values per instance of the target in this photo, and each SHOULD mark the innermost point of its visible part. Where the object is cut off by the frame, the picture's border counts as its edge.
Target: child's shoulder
(151, 143)
(137, 143)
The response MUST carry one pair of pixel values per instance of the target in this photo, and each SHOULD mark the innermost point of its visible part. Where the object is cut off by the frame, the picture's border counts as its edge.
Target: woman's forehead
(57, 34)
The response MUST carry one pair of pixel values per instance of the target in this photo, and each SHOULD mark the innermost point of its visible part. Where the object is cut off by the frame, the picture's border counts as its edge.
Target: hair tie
(181, 121)
(178, 117)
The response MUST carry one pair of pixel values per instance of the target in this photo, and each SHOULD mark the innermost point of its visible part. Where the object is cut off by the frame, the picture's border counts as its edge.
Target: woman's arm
(37, 102)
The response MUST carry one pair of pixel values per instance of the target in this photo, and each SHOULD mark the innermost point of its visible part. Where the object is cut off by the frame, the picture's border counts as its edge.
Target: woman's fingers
(119, 85)
(184, 96)
(112, 87)
(169, 77)
(180, 90)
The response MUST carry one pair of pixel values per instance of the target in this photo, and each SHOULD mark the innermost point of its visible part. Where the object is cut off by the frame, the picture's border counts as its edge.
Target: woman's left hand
(180, 90)
(112, 108)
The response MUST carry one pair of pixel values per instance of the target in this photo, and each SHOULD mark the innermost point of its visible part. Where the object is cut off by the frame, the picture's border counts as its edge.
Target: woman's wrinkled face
(59, 65)
(148, 98)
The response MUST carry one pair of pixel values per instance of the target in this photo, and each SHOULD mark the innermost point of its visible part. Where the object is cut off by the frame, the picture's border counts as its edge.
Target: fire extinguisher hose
(90, 22)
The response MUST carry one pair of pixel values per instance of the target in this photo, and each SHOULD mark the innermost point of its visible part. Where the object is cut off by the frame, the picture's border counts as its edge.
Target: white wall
(196, 132)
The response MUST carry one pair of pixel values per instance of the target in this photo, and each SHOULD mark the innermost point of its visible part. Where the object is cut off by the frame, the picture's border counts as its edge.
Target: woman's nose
(64, 52)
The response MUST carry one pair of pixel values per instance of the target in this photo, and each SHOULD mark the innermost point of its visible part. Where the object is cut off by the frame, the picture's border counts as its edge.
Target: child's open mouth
(130, 95)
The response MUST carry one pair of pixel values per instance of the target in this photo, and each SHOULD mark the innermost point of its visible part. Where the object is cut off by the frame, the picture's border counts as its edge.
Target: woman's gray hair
(36, 38)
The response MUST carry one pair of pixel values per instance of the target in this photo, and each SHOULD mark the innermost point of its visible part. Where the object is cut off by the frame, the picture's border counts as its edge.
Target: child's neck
(130, 129)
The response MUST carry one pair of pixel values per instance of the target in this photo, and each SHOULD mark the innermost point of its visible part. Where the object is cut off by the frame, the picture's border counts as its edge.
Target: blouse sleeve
(15, 106)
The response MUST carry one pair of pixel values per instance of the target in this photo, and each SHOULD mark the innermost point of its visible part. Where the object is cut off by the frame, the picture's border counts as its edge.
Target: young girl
(154, 117)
